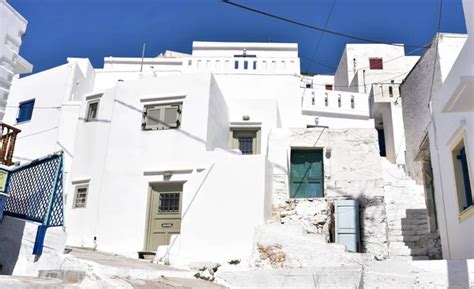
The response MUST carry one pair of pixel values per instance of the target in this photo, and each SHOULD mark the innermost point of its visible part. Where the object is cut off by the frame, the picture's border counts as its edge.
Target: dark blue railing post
(41, 232)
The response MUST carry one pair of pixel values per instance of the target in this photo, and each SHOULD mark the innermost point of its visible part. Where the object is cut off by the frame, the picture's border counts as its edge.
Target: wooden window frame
(20, 107)
(457, 143)
(76, 192)
(162, 107)
(89, 103)
(233, 141)
(374, 66)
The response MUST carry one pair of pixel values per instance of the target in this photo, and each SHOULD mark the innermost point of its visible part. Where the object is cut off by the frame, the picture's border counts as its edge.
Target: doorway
(381, 136)
(164, 214)
(307, 177)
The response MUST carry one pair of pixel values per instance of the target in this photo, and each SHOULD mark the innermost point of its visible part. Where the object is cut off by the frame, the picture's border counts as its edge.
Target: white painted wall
(220, 218)
(415, 92)
(457, 232)
(12, 28)
(320, 81)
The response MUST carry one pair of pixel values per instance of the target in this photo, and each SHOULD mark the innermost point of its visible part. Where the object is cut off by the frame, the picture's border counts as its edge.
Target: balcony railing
(336, 104)
(7, 144)
(385, 92)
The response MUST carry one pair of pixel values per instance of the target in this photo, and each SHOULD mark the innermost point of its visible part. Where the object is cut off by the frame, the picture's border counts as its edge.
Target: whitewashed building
(439, 116)
(378, 70)
(192, 152)
(12, 28)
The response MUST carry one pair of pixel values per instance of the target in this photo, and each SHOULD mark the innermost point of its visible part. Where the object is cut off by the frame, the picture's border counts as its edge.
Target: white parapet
(336, 103)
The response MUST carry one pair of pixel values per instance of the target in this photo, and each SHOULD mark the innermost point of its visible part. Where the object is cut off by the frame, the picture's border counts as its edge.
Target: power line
(312, 26)
(321, 35)
(362, 85)
(428, 45)
(317, 62)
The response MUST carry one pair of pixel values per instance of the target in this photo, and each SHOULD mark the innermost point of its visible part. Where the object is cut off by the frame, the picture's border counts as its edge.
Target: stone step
(407, 233)
(400, 238)
(402, 227)
(408, 258)
(400, 214)
(406, 251)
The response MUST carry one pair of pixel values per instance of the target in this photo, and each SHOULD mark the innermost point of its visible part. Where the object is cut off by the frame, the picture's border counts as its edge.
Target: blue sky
(59, 29)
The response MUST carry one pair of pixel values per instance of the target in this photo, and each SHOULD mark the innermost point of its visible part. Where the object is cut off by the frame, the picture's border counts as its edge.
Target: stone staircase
(409, 235)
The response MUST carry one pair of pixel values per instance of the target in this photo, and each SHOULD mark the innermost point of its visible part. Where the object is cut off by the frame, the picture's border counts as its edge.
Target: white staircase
(409, 234)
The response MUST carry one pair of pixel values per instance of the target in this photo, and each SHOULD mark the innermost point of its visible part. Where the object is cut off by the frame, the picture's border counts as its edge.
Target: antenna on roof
(143, 56)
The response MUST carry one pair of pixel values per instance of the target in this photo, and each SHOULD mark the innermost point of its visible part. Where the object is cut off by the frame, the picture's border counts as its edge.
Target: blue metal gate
(34, 192)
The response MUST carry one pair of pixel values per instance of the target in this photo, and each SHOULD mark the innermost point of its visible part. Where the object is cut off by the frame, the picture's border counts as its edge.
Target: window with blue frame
(26, 111)
(462, 176)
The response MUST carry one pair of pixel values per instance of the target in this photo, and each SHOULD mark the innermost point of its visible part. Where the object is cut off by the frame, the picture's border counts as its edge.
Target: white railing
(336, 103)
(243, 65)
(385, 92)
(231, 65)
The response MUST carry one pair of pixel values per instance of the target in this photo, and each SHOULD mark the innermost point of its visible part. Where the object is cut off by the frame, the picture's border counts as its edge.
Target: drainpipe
(365, 87)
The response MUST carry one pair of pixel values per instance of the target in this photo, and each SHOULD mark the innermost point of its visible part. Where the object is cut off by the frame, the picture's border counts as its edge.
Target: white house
(450, 142)
(192, 152)
(12, 28)
(378, 70)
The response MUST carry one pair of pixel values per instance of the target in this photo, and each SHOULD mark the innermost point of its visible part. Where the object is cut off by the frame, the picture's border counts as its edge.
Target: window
(92, 108)
(254, 65)
(26, 110)
(352, 101)
(236, 64)
(246, 65)
(390, 91)
(169, 203)
(162, 116)
(80, 197)
(462, 176)
(376, 63)
(328, 86)
(247, 140)
(339, 101)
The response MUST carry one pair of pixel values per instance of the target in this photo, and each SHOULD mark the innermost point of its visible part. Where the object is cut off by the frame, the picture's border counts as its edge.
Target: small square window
(80, 197)
(247, 140)
(26, 110)
(462, 176)
(92, 109)
(163, 116)
(328, 86)
(376, 63)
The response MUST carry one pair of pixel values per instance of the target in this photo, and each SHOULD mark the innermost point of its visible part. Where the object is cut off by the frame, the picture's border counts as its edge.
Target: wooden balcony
(7, 144)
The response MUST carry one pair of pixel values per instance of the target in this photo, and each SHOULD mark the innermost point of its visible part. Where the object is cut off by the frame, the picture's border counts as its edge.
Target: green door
(307, 178)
